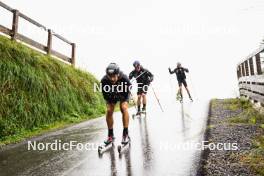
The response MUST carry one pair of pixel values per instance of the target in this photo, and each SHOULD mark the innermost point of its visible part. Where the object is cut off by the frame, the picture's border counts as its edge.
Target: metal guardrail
(13, 33)
(250, 73)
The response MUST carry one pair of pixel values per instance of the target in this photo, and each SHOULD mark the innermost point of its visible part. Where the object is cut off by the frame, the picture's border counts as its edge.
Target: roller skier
(143, 77)
(113, 78)
(181, 78)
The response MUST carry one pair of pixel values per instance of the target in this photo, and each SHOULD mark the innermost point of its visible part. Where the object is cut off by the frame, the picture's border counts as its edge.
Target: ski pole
(138, 76)
(157, 98)
(131, 93)
(193, 86)
(172, 87)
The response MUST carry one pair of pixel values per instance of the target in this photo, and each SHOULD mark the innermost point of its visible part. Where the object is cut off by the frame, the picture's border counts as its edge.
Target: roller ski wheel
(124, 144)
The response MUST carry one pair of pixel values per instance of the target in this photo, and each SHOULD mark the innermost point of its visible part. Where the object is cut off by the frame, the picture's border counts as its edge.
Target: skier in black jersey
(181, 77)
(113, 78)
(143, 77)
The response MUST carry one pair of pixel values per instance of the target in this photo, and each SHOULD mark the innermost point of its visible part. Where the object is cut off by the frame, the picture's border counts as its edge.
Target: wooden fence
(250, 73)
(13, 33)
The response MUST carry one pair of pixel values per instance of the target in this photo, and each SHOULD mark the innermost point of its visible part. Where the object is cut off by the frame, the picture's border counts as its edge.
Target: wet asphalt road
(154, 149)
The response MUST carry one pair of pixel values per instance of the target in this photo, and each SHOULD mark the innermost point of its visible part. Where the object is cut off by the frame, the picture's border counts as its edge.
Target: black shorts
(142, 89)
(180, 82)
(115, 99)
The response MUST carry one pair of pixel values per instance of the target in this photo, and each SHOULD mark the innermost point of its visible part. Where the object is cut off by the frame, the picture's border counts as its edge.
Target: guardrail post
(258, 63)
(49, 44)
(15, 24)
(73, 54)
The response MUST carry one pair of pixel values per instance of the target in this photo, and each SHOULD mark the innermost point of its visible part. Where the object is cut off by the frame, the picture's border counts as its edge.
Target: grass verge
(249, 116)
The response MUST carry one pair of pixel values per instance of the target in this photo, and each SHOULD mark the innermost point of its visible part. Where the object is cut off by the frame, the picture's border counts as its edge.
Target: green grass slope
(37, 91)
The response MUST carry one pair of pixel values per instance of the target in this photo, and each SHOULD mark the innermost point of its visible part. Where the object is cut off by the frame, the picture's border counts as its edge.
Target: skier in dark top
(114, 78)
(181, 77)
(143, 78)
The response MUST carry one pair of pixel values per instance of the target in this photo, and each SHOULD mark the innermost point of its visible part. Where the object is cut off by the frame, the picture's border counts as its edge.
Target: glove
(151, 79)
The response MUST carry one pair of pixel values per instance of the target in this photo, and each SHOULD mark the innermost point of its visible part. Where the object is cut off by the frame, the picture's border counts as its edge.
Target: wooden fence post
(49, 44)
(15, 24)
(258, 63)
(73, 54)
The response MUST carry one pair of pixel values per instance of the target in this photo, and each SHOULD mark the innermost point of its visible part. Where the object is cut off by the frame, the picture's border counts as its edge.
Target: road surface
(154, 148)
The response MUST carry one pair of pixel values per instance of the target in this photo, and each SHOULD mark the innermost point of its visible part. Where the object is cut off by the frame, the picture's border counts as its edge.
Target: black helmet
(136, 63)
(112, 69)
(178, 64)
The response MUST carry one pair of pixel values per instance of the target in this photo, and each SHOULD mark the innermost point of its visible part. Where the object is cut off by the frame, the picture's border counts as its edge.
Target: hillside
(38, 92)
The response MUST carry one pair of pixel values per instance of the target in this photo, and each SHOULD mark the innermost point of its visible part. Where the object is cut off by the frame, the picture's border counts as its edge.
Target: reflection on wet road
(159, 146)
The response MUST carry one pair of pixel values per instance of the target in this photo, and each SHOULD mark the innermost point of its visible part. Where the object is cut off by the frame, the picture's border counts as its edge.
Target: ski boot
(125, 139)
(109, 140)
(106, 146)
(143, 111)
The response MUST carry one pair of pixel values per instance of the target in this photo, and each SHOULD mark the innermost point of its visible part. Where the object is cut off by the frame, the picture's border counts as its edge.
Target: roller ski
(124, 144)
(109, 143)
(181, 78)
(137, 114)
(140, 113)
